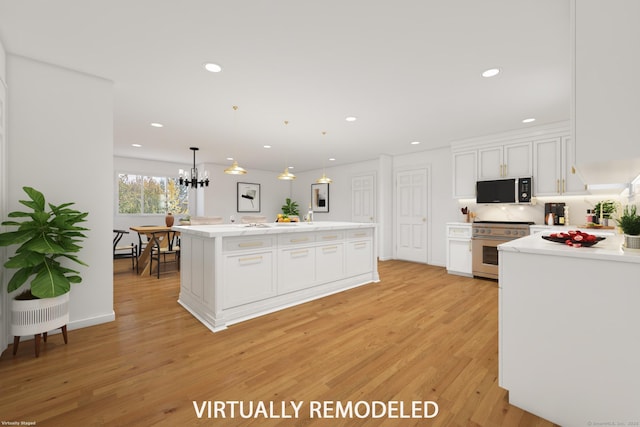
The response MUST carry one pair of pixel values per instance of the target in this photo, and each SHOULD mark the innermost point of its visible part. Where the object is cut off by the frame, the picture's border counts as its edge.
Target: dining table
(145, 256)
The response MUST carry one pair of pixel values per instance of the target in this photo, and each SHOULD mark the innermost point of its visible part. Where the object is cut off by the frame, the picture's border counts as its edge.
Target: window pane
(177, 197)
(154, 196)
(129, 192)
(151, 195)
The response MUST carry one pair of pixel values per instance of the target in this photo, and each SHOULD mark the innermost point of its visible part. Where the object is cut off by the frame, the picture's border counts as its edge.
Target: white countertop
(228, 230)
(608, 249)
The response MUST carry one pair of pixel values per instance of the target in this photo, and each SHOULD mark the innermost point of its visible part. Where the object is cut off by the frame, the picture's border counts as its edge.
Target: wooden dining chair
(164, 243)
(120, 251)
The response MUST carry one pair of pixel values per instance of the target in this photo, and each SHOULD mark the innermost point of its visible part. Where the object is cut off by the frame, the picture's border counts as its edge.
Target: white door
(363, 198)
(411, 215)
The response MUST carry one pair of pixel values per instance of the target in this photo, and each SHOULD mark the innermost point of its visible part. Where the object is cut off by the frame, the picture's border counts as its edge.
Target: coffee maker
(557, 209)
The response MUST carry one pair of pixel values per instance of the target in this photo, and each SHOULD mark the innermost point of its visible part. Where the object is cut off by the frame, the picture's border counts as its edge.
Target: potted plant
(46, 236)
(289, 211)
(603, 211)
(629, 222)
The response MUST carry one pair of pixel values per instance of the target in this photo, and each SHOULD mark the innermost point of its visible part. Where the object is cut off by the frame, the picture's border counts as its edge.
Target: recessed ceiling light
(157, 125)
(529, 120)
(351, 118)
(136, 145)
(491, 72)
(266, 146)
(415, 143)
(214, 68)
(332, 159)
(229, 158)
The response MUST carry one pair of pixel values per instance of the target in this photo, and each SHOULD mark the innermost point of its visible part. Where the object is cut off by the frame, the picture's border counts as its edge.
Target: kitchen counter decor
(574, 238)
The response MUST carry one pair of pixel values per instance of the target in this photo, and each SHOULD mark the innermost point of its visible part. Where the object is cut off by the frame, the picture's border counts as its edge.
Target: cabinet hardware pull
(329, 248)
(359, 234)
(505, 170)
(564, 188)
(557, 185)
(250, 244)
(330, 237)
(250, 258)
(360, 245)
(302, 239)
(301, 252)
(573, 170)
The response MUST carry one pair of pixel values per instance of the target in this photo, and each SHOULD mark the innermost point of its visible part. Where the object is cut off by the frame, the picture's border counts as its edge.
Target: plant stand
(38, 316)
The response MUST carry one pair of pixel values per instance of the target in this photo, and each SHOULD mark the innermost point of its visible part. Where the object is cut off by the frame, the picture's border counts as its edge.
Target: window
(139, 194)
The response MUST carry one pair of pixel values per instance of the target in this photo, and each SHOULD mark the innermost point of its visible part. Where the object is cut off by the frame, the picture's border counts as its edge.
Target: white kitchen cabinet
(230, 273)
(359, 257)
(251, 274)
(459, 260)
(554, 167)
(329, 262)
(505, 161)
(296, 268)
(465, 174)
(606, 69)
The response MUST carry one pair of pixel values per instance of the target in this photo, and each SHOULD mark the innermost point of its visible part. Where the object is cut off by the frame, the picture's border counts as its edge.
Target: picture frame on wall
(248, 197)
(320, 197)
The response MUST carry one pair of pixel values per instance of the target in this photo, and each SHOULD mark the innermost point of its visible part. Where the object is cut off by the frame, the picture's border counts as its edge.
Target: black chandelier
(193, 179)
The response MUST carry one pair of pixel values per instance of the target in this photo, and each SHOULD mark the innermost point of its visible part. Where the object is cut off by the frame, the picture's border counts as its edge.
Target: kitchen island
(569, 330)
(234, 272)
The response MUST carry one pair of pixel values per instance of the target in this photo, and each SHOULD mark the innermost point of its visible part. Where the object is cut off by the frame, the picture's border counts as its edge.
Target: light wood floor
(420, 334)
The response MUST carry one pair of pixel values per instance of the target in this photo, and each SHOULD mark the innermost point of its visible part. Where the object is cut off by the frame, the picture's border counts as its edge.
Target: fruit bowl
(574, 238)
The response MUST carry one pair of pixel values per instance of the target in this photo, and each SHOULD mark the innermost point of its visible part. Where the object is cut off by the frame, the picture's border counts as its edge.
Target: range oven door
(484, 254)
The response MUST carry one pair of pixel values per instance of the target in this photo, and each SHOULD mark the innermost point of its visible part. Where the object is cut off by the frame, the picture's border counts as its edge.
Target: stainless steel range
(486, 236)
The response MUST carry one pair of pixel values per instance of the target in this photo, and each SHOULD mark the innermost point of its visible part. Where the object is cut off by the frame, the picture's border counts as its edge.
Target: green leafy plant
(608, 207)
(44, 236)
(290, 208)
(629, 221)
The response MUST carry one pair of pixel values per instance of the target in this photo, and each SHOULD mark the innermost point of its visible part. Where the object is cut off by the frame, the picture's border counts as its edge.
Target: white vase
(36, 316)
(631, 242)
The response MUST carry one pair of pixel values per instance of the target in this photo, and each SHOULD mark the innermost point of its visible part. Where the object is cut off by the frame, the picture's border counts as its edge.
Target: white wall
(4, 305)
(61, 142)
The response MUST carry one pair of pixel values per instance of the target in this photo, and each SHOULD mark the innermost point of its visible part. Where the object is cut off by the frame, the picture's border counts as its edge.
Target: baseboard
(92, 321)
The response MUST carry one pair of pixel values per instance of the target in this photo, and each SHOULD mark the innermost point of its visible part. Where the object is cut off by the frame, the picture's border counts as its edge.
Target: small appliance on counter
(557, 211)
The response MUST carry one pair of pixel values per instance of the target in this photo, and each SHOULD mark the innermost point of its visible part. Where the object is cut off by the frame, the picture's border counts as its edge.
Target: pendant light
(323, 179)
(193, 178)
(286, 175)
(235, 169)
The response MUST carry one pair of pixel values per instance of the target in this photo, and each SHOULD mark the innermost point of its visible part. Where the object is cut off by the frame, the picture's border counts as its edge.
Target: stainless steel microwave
(513, 190)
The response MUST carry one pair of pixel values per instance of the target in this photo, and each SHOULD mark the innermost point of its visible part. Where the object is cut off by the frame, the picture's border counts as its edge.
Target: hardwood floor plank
(420, 334)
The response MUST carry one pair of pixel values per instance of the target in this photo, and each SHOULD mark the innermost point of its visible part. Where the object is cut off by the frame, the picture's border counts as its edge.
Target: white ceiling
(410, 70)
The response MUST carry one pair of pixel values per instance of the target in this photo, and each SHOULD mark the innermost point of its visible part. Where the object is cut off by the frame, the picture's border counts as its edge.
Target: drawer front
(289, 239)
(329, 236)
(460, 232)
(248, 278)
(296, 269)
(248, 243)
(364, 233)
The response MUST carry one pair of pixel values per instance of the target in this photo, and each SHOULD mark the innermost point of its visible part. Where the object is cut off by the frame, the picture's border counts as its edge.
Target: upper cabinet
(546, 153)
(554, 170)
(465, 164)
(605, 107)
(505, 161)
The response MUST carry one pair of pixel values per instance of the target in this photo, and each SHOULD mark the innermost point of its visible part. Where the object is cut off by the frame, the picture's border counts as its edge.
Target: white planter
(36, 316)
(631, 242)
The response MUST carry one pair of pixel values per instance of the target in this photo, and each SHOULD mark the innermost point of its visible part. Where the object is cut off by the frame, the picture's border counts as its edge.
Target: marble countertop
(228, 230)
(608, 249)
